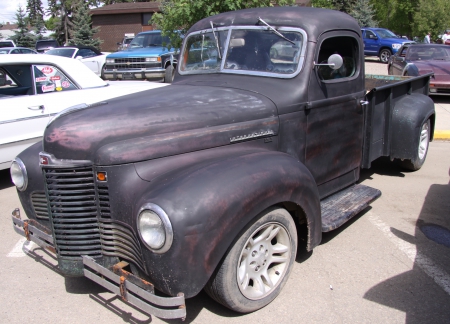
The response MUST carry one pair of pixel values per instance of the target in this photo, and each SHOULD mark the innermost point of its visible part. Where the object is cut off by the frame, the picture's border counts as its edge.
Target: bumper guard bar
(130, 288)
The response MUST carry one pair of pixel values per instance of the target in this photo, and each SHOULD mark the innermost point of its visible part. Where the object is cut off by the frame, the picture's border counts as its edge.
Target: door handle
(363, 102)
(39, 107)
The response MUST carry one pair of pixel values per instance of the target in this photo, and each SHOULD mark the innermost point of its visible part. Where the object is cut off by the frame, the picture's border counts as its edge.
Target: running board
(345, 204)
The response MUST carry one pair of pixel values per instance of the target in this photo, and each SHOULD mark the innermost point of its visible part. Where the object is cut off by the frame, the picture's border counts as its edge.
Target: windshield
(244, 51)
(425, 53)
(66, 52)
(386, 33)
(149, 40)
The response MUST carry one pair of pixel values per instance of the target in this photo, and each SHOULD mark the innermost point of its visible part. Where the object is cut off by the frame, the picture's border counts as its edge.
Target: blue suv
(146, 57)
(381, 42)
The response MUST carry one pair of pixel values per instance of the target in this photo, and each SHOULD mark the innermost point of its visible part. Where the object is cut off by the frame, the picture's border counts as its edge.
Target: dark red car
(419, 59)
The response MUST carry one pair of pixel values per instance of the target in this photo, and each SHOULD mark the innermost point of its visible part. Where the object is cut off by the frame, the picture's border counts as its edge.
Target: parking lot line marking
(21, 248)
(439, 276)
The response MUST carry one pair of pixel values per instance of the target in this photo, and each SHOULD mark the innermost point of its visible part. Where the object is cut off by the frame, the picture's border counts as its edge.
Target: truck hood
(160, 122)
(140, 52)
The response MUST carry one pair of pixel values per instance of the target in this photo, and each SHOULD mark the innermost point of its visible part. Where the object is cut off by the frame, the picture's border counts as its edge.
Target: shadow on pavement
(409, 292)
(5, 179)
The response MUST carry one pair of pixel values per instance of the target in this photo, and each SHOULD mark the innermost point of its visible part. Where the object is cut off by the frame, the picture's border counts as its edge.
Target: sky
(8, 9)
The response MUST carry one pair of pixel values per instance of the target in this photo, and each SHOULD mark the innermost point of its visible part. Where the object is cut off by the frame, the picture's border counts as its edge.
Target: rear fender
(408, 116)
(209, 202)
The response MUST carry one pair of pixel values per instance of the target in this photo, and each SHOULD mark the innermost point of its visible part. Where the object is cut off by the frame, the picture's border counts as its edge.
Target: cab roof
(314, 21)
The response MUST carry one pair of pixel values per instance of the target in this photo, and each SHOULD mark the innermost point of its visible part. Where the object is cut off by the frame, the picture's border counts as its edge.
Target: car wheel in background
(385, 54)
(170, 73)
(102, 75)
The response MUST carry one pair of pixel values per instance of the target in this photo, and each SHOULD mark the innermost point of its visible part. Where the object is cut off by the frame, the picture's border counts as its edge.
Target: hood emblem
(252, 135)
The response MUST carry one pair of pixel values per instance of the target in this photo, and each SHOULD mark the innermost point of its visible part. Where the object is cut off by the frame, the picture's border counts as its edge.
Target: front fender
(210, 200)
(36, 183)
(408, 116)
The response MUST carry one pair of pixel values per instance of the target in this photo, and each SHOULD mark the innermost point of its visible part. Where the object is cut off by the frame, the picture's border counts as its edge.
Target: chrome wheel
(424, 141)
(263, 261)
(385, 55)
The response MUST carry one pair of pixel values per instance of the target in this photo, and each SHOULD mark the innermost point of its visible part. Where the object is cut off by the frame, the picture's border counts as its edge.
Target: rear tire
(258, 265)
(422, 150)
(385, 54)
(170, 73)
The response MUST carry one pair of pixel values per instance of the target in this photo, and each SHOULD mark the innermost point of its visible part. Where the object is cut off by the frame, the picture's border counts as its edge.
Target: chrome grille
(130, 60)
(39, 202)
(117, 240)
(81, 217)
(73, 209)
(124, 66)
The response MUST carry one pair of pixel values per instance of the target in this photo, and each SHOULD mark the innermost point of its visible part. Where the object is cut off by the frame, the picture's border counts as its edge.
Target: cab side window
(347, 48)
(49, 78)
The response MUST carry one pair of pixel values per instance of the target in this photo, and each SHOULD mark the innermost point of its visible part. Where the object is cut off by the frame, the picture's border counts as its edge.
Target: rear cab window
(347, 48)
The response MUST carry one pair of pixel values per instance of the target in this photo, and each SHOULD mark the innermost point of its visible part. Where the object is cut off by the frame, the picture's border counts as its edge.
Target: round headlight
(152, 229)
(155, 228)
(19, 174)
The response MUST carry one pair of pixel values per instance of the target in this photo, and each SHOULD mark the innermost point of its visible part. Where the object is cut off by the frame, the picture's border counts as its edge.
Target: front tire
(170, 73)
(258, 265)
(385, 54)
(422, 150)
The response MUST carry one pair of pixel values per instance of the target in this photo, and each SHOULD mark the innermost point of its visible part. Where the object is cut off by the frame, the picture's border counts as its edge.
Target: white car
(90, 56)
(33, 88)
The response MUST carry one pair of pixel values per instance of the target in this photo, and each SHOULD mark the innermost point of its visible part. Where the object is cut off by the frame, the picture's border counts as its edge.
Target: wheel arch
(406, 123)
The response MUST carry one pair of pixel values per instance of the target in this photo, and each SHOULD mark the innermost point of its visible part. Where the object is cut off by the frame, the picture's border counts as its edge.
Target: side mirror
(334, 62)
(373, 37)
(78, 57)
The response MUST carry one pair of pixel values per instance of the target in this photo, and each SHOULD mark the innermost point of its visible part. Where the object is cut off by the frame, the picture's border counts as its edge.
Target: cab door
(334, 134)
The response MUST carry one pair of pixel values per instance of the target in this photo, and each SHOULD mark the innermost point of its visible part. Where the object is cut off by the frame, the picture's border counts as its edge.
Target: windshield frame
(230, 29)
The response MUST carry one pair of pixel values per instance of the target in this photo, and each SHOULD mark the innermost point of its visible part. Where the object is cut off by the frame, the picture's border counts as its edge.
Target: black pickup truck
(210, 183)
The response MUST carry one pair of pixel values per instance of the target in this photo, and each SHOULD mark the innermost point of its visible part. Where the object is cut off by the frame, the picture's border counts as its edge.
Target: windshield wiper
(275, 31)
(215, 37)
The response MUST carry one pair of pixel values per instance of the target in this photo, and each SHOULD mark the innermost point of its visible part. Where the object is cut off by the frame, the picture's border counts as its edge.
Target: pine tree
(82, 32)
(364, 13)
(22, 37)
(61, 12)
(36, 16)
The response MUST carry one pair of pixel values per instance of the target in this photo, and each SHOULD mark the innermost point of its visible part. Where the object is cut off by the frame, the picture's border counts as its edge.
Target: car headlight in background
(19, 174)
(109, 60)
(154, 228)
(153, 59)
(396, 46)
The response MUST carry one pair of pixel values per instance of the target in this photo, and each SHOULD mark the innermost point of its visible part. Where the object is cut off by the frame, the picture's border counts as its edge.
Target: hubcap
(423, 143)
(264, 261)
(385, 57)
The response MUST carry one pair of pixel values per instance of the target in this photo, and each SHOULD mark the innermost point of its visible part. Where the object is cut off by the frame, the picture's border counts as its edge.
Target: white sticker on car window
(48, 88)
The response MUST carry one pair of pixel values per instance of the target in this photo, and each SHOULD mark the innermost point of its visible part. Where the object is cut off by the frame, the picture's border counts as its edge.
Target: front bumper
(129, 287)
(134, 74)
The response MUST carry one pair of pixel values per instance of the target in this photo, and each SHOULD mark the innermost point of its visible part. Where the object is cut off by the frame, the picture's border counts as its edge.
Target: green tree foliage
(329, 4)
(344, 5)
(182, 14)
(35, 12)
(364, 13)
(61, 11)
(22, 37)
(431, 16)
(396, 15)
(82, 32)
